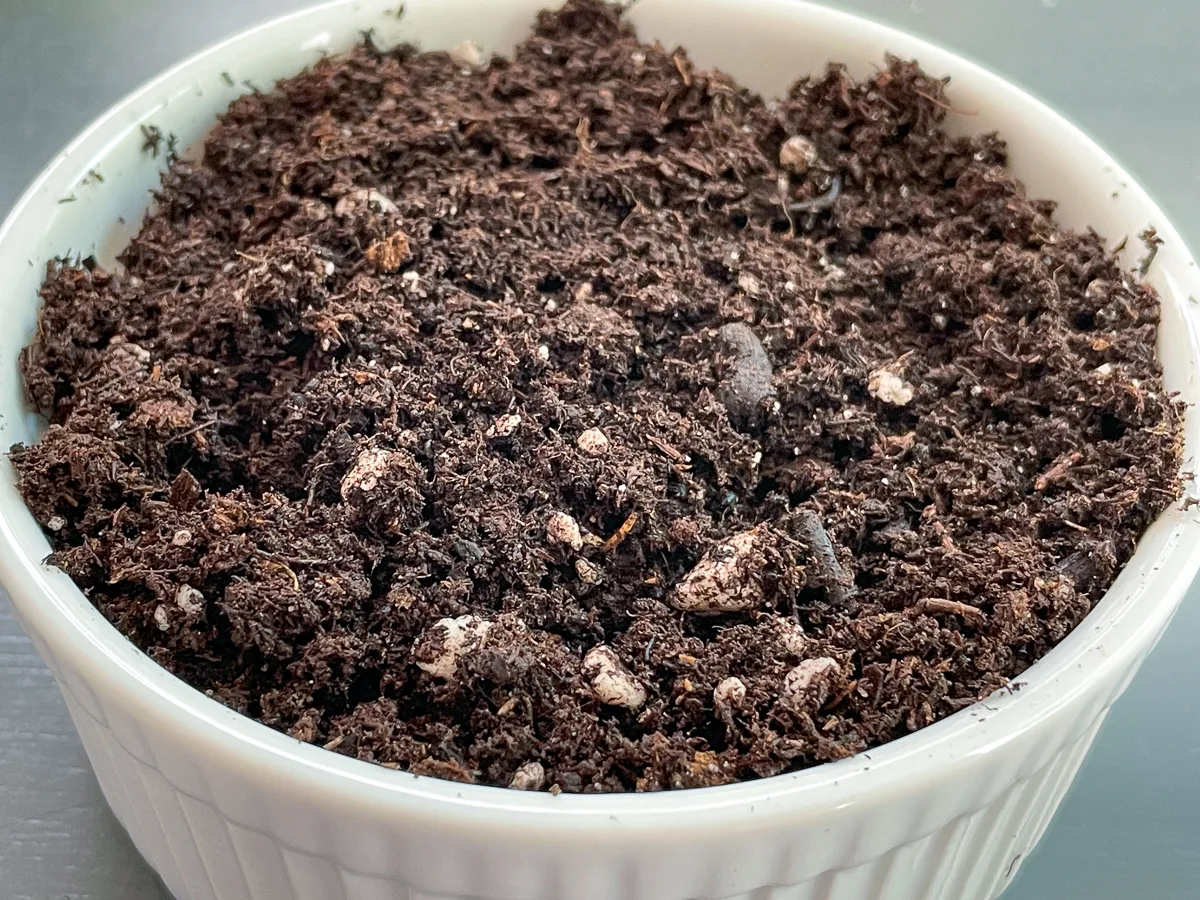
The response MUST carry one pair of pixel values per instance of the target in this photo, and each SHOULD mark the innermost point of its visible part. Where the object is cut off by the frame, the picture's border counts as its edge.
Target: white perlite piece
(56, 523)
(562, 529)
(161, 619)
(505, 426)
(468, 54)
(807, 685)
(190, 600)
(889, 387)
(593, 442)
(530, 777)
(797, 154)
(458, 637)
(727, 578)
(371, 199)
(610, 682)
(364, 475)
(729, 694)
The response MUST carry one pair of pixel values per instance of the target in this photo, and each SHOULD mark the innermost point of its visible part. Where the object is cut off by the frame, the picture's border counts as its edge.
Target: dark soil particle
(432, 380)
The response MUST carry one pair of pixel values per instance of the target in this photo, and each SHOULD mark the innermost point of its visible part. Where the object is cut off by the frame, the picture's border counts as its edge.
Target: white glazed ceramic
(226, 809)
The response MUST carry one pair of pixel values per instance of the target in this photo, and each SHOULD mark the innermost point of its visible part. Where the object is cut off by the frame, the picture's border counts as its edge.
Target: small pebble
(748, 384)
(610, 682)
(727, 578)
(797, 155)
(469, 55)
(593, 442)
(587, 573)
(190, 600)
(729, 694)
(807, 685)
(749, 283)
(439, 649)
(530, 777)
(562, 529)
(792, 636)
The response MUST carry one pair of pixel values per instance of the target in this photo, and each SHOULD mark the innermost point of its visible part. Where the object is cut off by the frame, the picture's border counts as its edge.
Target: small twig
(821, 202)
(934, 100)
(620, 534)
(684, 69)
(256, 259)
(649, 647)
(946, 106)
(583, 134)
(667, 450)
(1056, 472)
(973, 614)
(196, 430)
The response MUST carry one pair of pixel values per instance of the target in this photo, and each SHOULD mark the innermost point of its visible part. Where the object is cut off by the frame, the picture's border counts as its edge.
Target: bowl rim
(57, 612)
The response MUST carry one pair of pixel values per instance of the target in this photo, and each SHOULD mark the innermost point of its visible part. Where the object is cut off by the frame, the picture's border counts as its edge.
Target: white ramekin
(227, 809)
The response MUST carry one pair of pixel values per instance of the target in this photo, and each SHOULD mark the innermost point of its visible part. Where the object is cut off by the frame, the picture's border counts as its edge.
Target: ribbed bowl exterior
(213, 834)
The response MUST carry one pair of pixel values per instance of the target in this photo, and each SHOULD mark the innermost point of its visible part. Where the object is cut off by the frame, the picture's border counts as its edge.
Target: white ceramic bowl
(227, 809)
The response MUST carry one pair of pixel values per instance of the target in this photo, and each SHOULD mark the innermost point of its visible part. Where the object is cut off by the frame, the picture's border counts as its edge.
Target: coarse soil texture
(578, 421)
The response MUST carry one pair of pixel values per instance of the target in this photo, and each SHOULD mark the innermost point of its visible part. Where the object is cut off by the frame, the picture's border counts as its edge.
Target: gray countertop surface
(1128, 73)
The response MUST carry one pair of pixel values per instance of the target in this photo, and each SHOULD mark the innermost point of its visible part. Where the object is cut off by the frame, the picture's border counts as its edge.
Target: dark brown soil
(726, 454)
